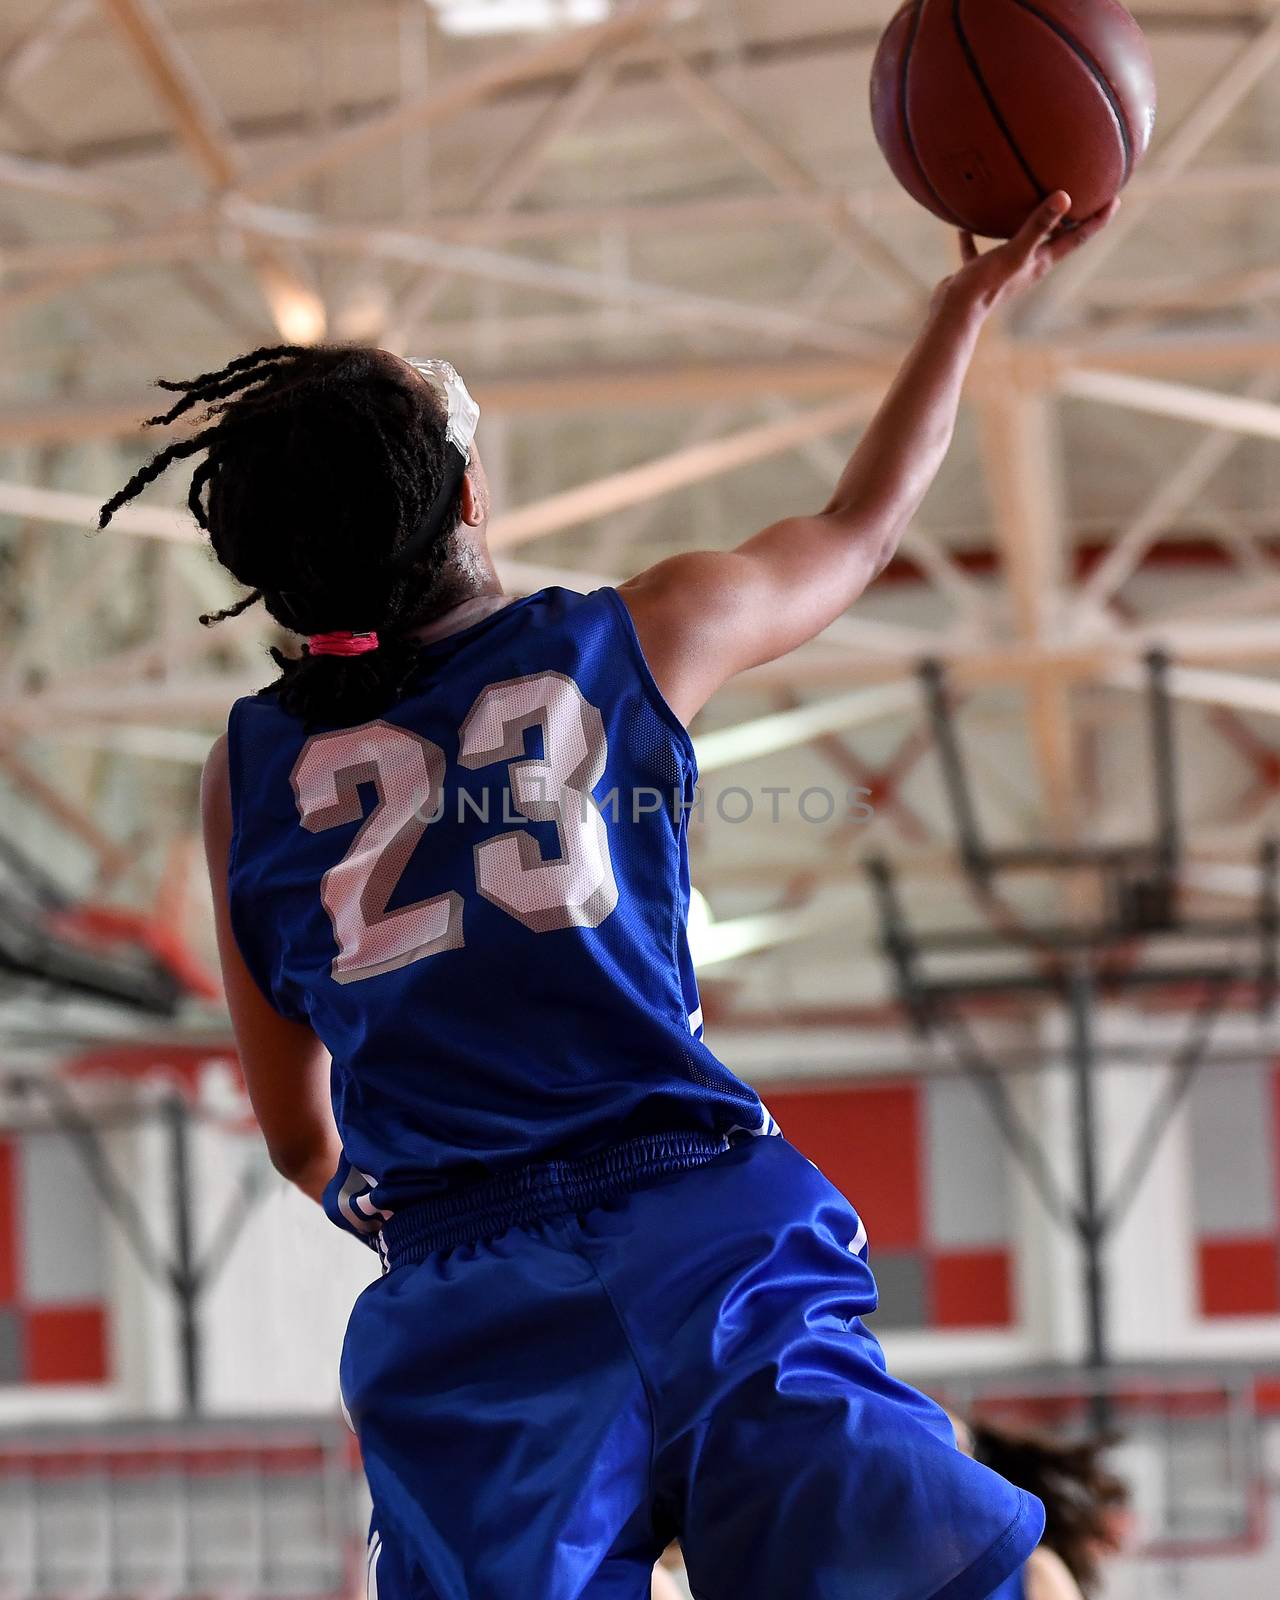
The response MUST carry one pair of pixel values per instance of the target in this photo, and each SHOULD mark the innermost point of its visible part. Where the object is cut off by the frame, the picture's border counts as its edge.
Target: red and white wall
(973, 1275)
(923, 1163)
(86, 1332)
(54, 1293)
(1234, 1117)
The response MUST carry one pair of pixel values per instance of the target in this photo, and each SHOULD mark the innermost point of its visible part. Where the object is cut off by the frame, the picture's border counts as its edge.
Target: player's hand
(986, 280)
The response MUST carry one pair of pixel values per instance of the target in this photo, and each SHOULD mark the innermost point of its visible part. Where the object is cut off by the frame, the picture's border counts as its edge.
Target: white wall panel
(62, 1225)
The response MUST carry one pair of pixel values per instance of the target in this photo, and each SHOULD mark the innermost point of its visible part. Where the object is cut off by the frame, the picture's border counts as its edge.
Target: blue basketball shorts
(542, 1409)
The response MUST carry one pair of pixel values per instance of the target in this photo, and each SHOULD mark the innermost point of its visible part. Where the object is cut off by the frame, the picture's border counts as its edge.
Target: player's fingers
(1041, 224)
(968, 247)
(1072, 241)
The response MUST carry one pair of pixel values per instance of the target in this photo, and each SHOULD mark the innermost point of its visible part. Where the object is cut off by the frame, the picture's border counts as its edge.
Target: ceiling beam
(1257, 592)
(112, 857)
(163, 61)
(711, 212)
(1174, 492)
(1235, 846)
(1022, 473)
(527, 272)
(81, 511)
(784, 730)
(34, 50)
(917, 545)
(789, 175)
(1247, 414)
(694, 463)
(571, 391)
(173, 77)
(586, 391)
(1251, 62)
(802, 50)
(61, 182)
(502, 186)
(459, 93)
(1242, 692)
(53, 269)
(885, 688)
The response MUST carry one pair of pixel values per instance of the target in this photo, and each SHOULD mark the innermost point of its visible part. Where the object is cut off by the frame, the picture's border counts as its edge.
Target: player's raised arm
(705, 616)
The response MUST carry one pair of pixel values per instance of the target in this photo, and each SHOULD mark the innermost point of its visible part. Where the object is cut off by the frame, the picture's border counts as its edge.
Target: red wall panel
(67, 1344)
(971, 1289)
(1240, 1277)
(867, 1141)
(55, 1343)
(1275, 1128)
(1239, 1274)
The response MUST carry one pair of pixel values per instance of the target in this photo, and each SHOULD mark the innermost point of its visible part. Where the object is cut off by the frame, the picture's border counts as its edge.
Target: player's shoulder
(595, 625)
(567, 603)
(214, 775)
(215, 803)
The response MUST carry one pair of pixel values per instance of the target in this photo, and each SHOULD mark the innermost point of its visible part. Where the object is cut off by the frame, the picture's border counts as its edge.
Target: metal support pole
(1080, 997)
(186, 1288)
(1268, 925)
(973, 853)
(1168, 833)
(897, 941)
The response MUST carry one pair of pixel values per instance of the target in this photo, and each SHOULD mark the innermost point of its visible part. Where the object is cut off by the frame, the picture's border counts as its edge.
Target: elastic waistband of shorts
(539, 1192)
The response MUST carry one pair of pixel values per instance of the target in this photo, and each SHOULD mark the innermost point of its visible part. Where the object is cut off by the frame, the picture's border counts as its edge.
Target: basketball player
(451, 917)
(1084, 1506)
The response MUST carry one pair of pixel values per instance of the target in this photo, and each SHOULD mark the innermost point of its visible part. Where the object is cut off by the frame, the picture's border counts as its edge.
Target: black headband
(430, 522)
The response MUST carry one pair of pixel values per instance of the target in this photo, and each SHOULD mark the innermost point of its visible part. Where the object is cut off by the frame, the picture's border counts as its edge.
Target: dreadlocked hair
(1081, 1496)
(319, 463)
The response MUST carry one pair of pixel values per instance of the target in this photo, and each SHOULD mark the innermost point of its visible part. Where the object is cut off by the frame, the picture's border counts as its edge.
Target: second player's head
(1085, 1502)
(340, 485)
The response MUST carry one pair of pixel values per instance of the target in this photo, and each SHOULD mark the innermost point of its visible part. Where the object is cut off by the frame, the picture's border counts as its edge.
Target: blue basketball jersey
(479, 902)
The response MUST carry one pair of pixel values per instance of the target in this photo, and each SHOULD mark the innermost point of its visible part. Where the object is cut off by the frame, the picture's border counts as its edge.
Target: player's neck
(468, 589)
(462, 615)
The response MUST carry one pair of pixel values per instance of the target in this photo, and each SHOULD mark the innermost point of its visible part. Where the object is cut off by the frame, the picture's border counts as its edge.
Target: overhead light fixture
(475, 17)
(296, 308)
(301, 319)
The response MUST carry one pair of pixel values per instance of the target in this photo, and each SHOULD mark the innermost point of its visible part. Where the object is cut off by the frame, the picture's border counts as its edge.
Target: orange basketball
(984, 107)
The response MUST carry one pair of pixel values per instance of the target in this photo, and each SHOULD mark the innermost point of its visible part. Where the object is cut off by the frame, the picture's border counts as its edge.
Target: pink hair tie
(341, 644)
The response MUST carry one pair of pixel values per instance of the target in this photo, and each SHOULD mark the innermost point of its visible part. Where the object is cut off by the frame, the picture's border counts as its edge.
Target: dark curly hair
(321, 464)
(1081, 1496)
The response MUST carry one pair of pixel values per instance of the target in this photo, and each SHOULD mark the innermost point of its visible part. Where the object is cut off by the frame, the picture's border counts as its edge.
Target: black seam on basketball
(1095, 69)
(907, 135)
(992, 107)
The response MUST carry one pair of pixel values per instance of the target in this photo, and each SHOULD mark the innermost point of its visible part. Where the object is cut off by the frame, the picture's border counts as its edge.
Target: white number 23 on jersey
(574, 890)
